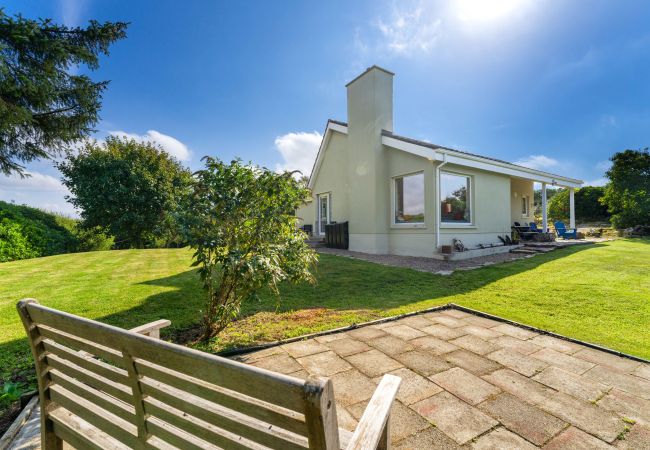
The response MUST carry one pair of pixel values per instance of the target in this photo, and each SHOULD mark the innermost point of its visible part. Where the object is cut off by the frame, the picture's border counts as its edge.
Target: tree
(587, 205)
(128, 188)
(240, 221)
(43, 107)
(627, 196)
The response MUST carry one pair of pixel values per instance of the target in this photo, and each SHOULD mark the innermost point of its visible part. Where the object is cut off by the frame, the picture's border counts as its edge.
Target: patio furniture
(565, 233)
(524, 232)
(534, 229)
(102, 387)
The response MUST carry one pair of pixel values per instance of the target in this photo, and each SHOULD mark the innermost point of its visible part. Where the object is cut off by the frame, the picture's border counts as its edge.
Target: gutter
(438, 187)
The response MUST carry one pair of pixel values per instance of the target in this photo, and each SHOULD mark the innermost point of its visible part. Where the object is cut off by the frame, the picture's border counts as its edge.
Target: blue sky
(558, 85)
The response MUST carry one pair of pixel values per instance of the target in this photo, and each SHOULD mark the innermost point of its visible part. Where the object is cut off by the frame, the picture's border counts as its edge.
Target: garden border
(246, 350)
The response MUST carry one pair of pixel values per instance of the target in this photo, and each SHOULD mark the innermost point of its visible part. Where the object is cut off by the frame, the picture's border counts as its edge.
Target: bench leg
(384, 441)
(49, 440)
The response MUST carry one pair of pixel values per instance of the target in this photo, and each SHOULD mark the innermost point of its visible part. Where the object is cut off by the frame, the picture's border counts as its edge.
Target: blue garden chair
(533, 228)
(562, 231)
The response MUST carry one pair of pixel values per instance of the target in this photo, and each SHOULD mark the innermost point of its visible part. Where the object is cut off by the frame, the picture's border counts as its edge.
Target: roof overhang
(331, 127)
(434, 153)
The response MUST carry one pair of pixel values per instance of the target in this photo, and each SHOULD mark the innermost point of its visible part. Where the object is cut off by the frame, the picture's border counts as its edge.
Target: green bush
(587, 205)
(27, 232)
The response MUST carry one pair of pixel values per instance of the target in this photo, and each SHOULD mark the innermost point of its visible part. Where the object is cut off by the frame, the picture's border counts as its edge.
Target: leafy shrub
(587, 205)
(27, 232)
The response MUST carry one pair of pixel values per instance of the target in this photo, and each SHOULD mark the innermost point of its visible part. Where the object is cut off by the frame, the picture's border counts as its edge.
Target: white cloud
(604, 165)
(539, 162)
(38, 190)
(169, 144)
(298, 150)
(410, 31)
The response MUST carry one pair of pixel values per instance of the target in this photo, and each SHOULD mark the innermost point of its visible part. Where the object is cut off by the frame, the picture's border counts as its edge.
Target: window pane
(454, 198)
(409, 199)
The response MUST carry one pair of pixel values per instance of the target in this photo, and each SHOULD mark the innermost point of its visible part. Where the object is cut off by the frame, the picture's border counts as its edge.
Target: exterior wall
(491, 209)
(518, 189)
(332, 179)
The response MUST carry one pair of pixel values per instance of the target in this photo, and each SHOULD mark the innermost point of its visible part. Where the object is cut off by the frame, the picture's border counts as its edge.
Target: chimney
(370, 110)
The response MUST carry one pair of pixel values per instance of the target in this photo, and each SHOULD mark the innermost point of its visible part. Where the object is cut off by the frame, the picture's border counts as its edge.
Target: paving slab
(417, 322)
(447, 321)
(530, 422)
(520, 386)
(280, 362)
(347, 346)
(404, 332)
(352, 387)
(464, 385)
(428, 439)
(481, 321)
(390, 345)
(575, 439)
(627, 406)
(324, 364)
(404, 421)
(607, 359)
(474, 344)
(455, 418)
(572, 384)
(643, 371)
(443, 332)
(563, 361)
(521, 346)
(365, 333)
(629, 383)
(433, 345)
(455, 313)
(304, 348)
(414, 387)
(482, 332)
(423, 362)
(637, 439)
(501, 439)
(557, 344)
(471, 362)
(515, 332)
(518, 362)
(373, 363)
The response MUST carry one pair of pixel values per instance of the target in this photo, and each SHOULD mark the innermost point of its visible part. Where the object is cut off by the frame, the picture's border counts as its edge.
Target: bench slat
(97, 381)
(265, 385)
(176, 437)
(87, 362)
(77, 343)
(112, 425)
(80, 434)
(197, 427)
(110, 404)
(160, 397)
(266, 412)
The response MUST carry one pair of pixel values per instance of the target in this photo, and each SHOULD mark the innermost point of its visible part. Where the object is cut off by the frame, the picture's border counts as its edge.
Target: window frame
(525, 204)
(393, 192)
(470, 195)
(328, 219)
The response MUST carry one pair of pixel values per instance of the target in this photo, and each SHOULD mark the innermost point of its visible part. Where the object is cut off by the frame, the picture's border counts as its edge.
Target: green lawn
(598, 293)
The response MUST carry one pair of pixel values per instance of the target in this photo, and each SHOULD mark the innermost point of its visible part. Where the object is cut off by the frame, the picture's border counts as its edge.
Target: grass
(598, 293)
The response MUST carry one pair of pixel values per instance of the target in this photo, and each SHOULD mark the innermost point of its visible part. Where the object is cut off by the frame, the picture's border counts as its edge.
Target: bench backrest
(560, 227)
(105, 387)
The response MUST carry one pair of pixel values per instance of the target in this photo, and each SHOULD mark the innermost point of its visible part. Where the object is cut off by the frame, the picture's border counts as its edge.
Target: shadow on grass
(343, 284)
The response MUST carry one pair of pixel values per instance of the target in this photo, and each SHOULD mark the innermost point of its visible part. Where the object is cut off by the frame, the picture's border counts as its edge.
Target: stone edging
(18, 422)
(246, 350)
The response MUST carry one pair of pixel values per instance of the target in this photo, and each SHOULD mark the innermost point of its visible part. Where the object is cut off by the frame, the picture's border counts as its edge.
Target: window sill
(408, 226)
(458, 225)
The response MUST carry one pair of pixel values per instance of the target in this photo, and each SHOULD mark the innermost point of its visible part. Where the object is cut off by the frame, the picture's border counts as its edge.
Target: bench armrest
(374, 428)
(152, 329)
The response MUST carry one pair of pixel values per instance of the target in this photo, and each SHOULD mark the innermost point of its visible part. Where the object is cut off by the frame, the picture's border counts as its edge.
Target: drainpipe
(438, 215)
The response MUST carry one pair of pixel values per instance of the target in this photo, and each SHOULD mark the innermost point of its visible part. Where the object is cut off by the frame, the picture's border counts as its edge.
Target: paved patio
(469, 382)
(472, 382)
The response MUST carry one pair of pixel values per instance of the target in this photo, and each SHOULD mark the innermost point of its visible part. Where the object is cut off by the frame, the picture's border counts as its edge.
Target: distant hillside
(27, 232)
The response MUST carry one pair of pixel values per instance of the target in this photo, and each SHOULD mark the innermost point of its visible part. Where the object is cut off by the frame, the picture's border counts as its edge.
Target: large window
(455, 198)
(409, 199)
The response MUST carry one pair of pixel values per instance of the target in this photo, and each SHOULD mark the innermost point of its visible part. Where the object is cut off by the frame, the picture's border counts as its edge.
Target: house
(408, 197)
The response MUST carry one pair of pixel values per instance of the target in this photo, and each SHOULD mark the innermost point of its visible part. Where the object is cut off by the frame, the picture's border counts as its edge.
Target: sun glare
(484, 10)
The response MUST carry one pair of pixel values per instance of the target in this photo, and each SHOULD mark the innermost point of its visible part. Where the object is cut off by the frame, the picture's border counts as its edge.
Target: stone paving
(471, 382)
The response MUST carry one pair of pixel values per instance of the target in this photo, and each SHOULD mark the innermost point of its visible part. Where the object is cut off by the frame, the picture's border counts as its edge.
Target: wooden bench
(102, 387)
